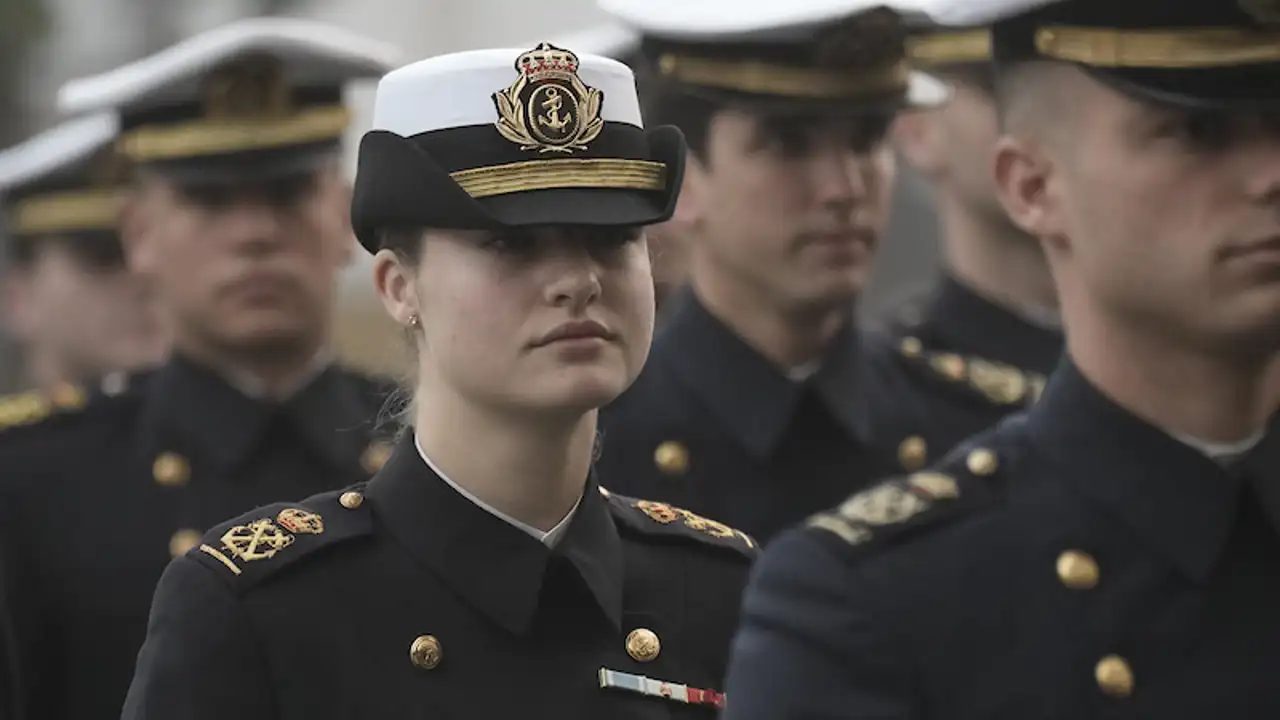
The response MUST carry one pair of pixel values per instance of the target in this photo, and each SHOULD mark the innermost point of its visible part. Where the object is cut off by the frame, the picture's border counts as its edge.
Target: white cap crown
(457, 90)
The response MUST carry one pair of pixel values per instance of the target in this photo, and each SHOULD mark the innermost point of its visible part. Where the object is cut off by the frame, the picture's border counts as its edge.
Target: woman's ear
(394, 281)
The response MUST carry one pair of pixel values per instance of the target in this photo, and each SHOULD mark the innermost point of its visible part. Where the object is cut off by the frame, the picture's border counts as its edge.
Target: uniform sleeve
(201, 659)
(815, 643)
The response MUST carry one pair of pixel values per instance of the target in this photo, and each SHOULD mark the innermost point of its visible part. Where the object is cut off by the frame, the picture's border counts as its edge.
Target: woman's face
(556, 318)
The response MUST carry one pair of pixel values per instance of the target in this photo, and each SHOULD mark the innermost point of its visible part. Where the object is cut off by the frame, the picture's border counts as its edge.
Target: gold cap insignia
(549, 108)
(301, 522)
(1266, 12)
(250, 87)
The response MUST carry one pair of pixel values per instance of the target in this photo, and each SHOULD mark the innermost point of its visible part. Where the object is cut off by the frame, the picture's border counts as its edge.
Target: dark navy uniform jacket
(403, 598)
(972, 362)
(714, 426)
(99, 493)
(10, 706)
(1075, 563)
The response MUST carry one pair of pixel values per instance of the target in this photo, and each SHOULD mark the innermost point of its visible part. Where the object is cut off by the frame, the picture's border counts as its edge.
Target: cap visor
(1251, 89)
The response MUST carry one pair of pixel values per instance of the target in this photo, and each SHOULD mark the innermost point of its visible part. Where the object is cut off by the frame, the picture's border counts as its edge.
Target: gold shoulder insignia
(668, 519)
(895, 503)
(999, 383)
(666, 514)
(285, 533)
(31, 407)
(892, 502)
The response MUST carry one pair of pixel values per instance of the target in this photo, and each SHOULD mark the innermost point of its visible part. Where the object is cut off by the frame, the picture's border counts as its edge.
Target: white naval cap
(249, 88)
(510, 137)
(842, 53)
(65, 179)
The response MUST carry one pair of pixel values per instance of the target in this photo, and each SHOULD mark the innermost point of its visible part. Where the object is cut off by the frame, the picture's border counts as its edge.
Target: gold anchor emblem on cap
(548, 108)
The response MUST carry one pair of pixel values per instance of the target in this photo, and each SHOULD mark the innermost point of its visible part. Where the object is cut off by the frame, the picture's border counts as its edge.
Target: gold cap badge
(548, 108)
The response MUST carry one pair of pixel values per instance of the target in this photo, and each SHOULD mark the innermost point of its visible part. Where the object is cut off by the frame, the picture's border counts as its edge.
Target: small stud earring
(413, 320)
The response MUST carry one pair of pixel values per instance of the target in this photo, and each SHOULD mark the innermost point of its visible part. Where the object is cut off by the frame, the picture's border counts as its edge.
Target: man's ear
(917, 136)
(18, 315)
(342, 204)
(691, 207)
(1024, 174)
(135, 234)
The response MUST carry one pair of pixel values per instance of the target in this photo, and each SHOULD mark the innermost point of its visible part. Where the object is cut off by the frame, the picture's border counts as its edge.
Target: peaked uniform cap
(956, 44)
(500, 138)
(64, 180)
(811, 56)
(250, 97)
(1214, 54)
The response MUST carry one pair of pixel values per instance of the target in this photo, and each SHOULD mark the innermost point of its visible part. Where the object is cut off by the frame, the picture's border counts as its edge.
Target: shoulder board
(994, 382)
(254, 547)
(963, 483)
(660, 519)
(32, 407)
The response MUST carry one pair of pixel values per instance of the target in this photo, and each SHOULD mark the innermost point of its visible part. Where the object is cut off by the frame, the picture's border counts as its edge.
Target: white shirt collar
(1223, 453)
(800, 373)
(550, 538)
(253, 387)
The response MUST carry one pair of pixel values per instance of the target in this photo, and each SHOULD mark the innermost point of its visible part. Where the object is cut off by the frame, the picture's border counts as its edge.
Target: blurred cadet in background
(240, 216)
(983, 341)
(762, 402)
(667, 249)
(75, 310)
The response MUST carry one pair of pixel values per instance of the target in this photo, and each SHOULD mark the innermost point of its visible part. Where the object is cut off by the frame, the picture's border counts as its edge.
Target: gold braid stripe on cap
(68, 211)
(1156, 48)
(761, 78)
(608, 173)
(210, 136)
(945, 48)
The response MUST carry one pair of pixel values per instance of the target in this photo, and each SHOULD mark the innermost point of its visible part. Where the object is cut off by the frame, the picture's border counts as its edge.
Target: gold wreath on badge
(548, 108)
